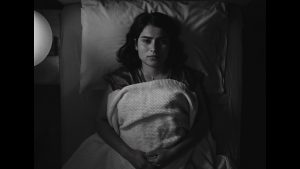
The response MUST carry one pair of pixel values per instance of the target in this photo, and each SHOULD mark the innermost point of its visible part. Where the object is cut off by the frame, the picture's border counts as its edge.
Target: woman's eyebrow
(149, 37)
(146, 37)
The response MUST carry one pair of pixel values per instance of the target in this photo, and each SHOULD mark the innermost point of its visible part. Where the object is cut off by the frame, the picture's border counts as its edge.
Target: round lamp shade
(42, 38)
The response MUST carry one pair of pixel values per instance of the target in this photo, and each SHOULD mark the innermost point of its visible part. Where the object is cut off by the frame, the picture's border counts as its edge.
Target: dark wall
(253, 139)
(47, 127)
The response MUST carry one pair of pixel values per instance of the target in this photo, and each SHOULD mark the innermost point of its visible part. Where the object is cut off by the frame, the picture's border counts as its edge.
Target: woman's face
(153, 46)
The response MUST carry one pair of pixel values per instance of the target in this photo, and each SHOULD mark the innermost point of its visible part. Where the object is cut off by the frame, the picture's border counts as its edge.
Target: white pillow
(106, 23)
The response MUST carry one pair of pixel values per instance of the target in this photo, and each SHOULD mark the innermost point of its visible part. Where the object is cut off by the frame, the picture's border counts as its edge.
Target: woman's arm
(200, 128)
(108, 134)
(198, 131)
(163, 157)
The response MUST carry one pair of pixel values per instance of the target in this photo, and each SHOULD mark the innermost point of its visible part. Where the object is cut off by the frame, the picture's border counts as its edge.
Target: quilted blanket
(152, 115)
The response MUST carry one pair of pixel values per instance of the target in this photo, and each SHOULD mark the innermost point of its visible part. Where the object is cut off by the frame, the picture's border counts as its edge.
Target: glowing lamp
(42, 38)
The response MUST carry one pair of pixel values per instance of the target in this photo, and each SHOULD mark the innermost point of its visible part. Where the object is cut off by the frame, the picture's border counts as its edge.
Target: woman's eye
(163, 41)
(147, 41)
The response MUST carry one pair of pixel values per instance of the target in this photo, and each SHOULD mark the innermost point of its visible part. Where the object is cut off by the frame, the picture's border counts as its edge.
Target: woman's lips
(153, 56)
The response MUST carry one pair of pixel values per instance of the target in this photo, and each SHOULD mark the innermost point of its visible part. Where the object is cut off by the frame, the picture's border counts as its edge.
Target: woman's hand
(139, 161)
(161, 157)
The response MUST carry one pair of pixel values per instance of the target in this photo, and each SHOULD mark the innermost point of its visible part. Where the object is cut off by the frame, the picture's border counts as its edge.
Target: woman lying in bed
(156, 115)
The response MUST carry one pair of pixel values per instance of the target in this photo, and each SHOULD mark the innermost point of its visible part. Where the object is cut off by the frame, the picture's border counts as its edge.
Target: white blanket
(152, 115)
(149, 116)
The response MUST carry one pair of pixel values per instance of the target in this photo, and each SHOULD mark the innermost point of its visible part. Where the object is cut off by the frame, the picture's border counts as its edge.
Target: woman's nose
(154, 46)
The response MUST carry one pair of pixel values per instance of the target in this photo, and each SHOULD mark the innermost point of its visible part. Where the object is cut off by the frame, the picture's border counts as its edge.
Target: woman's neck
(151, 73)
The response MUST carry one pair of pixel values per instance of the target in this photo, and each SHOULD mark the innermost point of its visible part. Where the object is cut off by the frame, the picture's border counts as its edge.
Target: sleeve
(223, 162)
(118, 79)
(194, 78)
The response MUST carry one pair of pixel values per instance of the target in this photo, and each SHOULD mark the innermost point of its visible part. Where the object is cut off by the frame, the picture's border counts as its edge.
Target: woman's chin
(154, 63)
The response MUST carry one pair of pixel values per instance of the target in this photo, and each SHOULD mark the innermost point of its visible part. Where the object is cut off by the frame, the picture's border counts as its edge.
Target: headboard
(78, 110)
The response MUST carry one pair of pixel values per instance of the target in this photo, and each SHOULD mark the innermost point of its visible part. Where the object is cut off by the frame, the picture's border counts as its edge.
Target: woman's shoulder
(190, 76)
(120, 71)
(193, 73)
(119, 78)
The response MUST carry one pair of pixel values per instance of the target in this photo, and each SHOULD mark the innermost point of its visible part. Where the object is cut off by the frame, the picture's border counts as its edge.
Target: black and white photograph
(149, 84)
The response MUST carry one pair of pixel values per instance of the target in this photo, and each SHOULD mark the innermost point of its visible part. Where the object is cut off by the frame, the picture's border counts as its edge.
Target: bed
(81, 91)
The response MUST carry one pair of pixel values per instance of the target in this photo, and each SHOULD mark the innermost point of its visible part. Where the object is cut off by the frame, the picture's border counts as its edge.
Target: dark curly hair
(128, 56)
